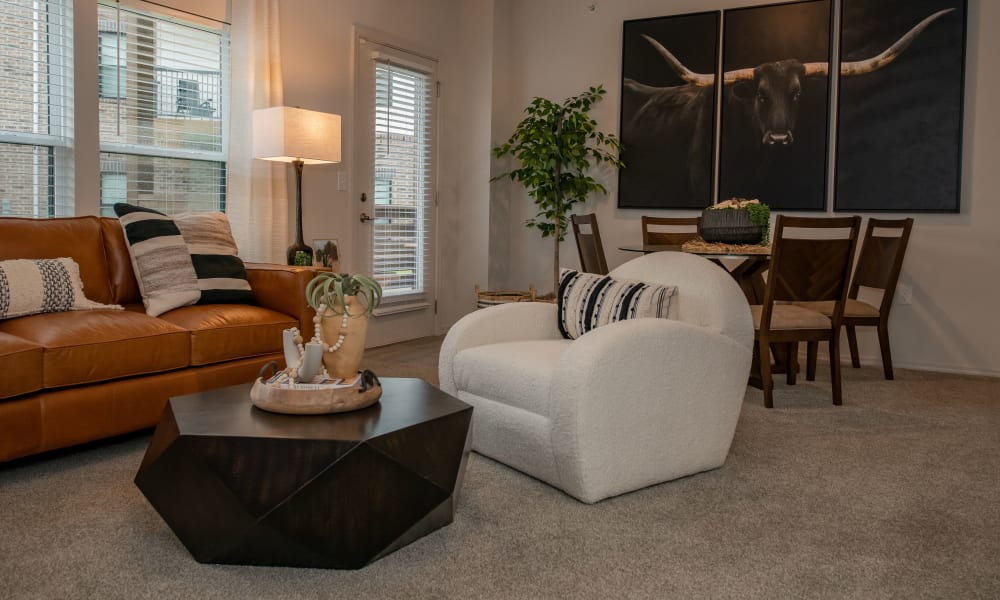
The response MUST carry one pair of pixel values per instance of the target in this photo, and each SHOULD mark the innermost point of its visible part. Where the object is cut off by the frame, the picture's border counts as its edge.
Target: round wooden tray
(271, 398)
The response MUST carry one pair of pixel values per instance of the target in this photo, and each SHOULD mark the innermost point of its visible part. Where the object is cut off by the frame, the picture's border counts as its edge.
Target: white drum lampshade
(301, 137)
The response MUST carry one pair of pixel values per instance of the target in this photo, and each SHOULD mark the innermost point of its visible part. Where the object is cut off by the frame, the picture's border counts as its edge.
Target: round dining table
(748, 273)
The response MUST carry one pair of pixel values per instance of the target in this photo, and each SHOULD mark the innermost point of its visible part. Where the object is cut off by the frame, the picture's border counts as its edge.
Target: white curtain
(257, 201)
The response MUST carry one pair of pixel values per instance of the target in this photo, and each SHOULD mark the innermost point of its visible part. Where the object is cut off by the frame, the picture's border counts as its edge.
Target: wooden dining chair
(811, 266)
(879, 263)
(588, 244)
(681, 230)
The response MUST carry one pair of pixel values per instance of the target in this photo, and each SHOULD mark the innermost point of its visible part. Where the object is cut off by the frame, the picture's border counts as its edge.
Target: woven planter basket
(489, 298)
(728, 226)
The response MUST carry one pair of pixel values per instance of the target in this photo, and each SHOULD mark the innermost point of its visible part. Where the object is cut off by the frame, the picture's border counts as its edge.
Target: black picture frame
(774, 145)
(667, 125)
(899, 129)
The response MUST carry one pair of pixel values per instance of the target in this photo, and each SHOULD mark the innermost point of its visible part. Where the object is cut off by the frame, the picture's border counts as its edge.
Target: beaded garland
(293, 370)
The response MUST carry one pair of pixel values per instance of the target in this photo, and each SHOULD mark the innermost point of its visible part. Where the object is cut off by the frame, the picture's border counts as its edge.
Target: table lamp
(301, 137)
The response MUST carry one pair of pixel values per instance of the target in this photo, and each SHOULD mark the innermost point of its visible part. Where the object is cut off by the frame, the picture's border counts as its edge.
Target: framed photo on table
(326, 253)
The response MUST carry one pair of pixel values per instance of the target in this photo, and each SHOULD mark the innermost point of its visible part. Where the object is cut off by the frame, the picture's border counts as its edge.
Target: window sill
(394, 309)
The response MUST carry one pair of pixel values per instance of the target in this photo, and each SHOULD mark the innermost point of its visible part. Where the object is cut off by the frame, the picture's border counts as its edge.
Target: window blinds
(163, 86)
(36, 108)
(402, 256)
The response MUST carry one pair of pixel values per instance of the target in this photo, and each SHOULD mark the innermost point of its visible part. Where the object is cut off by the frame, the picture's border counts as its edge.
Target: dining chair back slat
(812, 270)
(682, 229)
(588, 244)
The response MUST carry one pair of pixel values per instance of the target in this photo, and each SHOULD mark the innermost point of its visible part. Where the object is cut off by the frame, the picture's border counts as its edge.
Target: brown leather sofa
(72, 377)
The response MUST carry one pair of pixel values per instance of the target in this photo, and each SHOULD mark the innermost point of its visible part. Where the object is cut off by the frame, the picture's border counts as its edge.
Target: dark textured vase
(728, 226)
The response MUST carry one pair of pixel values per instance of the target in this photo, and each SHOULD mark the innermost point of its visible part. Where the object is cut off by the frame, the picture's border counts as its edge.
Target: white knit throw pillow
(32, 286)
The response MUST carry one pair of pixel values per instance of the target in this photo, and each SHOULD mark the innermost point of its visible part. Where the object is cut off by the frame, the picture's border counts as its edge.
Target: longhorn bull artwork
(773, 143)
(899, 129)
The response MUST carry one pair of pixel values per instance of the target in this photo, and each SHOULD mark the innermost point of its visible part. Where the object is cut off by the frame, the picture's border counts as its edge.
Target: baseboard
(876, 362)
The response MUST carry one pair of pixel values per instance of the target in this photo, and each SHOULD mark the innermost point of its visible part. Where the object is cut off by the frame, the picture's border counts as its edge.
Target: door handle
(365, 217)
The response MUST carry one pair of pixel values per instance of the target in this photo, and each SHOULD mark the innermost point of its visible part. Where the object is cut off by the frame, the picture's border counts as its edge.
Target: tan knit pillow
(32, 286)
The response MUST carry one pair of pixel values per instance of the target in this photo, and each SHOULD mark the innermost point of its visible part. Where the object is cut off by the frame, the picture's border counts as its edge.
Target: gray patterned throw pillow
(160, 259)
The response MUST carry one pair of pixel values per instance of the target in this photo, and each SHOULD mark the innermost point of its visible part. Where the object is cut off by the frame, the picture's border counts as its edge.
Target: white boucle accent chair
(625, 406)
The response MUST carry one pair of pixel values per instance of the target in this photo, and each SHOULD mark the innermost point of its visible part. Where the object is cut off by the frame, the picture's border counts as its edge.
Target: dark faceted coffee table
(239, 485)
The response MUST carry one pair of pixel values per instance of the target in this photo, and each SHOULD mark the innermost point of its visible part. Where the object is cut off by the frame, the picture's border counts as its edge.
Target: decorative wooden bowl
(316, 401)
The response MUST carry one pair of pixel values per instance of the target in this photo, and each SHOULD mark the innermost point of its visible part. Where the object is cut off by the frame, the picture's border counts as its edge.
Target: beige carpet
(894, 495)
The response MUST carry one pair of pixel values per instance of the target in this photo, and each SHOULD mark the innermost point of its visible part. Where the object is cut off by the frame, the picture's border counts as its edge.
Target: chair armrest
(283, 288)
(516, 321)
(643, 401)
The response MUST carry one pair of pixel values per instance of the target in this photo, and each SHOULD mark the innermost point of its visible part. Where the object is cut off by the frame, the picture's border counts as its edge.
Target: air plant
(329, 289)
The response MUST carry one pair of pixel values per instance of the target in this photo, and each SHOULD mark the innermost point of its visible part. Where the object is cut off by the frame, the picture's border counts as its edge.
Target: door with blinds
(396, 133)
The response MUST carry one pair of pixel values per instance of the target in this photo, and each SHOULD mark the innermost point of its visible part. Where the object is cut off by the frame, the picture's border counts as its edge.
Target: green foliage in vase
(330, 288)
(303, 259)
(760, 214)
(555, 145)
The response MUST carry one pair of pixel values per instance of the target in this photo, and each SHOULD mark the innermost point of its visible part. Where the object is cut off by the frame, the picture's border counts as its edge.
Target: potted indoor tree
(556, 145)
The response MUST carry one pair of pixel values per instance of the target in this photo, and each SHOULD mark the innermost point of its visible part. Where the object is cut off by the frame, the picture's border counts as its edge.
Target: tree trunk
(557, 232)
(555, 270)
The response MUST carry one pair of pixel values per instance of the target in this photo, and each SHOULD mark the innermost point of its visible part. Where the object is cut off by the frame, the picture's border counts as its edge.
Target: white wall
(317, 63)
(557, 48)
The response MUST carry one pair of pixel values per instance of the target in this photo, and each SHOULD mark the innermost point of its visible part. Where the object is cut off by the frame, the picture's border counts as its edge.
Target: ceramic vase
(345, 362)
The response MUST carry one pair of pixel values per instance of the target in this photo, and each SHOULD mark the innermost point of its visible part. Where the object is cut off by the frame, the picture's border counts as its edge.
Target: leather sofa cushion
(22, 366)
(78, 238)
(519, 373)
(98, 345)
(221, 332)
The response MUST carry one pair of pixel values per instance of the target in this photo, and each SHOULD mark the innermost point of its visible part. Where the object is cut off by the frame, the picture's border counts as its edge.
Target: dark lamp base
(298, 247)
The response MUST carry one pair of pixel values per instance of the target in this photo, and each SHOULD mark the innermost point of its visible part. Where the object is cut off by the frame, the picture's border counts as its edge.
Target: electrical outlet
(904, 294)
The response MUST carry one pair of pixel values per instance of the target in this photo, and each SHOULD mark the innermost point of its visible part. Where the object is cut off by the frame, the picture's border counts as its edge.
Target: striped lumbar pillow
(587, 301)
(222, 277)
(160, 259)
(29, 287)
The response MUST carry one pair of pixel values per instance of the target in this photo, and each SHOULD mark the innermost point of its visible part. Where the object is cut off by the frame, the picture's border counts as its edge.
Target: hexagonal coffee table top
(240, 485)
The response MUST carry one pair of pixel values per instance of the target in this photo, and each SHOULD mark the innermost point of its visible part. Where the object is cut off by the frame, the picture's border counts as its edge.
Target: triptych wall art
(753, 121)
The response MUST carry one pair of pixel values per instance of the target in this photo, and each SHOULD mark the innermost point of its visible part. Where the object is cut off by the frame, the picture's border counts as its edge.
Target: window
(162, 111)
(111, 46)
(36, 108)
(403, 188)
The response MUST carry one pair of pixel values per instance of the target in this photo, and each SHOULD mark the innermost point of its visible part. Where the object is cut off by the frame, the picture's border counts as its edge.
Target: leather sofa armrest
(283, 288)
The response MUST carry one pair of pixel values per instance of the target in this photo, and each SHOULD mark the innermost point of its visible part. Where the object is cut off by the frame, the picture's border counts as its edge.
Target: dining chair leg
(792, 348)
(766, 384)
(883, 344)
(835, 369)
(852, 342)
(812, 349)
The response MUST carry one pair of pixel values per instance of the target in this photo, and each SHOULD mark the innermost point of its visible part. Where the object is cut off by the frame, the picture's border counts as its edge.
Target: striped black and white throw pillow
(160, 259)
(198, 252)
(222, 277)
(587, 301)
(32, 286)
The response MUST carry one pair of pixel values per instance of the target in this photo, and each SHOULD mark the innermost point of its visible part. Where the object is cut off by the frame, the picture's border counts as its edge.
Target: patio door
(395, 137)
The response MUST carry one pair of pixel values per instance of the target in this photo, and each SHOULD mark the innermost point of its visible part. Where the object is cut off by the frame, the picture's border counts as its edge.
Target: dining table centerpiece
(736, 221)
